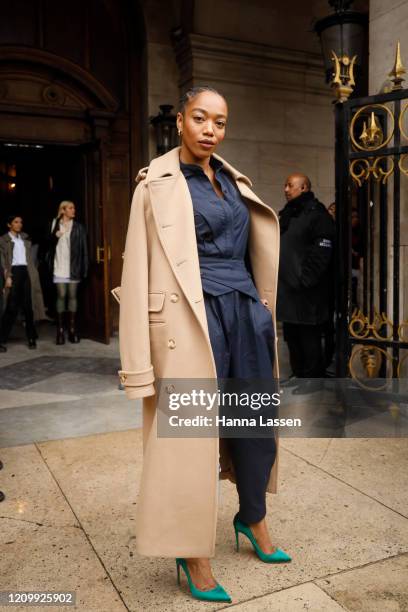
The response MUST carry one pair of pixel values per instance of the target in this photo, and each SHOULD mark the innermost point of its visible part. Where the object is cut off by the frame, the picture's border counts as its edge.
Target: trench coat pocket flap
(141, 378)
(116, 294)
(156, 301)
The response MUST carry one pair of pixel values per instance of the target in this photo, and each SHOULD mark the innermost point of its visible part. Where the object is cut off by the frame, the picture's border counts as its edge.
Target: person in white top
(15, 250)
(69, 263)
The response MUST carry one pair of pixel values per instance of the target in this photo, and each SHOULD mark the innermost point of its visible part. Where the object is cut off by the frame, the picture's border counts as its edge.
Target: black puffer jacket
(78, 251)
(307, 240)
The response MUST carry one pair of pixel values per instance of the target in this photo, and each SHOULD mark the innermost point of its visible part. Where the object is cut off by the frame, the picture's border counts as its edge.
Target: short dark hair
(11, 218)
(193, 92)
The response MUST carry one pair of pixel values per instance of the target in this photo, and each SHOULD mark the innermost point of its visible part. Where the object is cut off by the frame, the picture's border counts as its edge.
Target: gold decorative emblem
(360, 169)
(401, 122)
(361, 327)
(371, 137)
(400, 364)
(401, 164)
(401, 331)
(343, 78)
(371, 360)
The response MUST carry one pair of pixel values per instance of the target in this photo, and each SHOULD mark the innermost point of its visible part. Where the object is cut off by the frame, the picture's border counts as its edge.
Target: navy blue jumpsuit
(240, 326)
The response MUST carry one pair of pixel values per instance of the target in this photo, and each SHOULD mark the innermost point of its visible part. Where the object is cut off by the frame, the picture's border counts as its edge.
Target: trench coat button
(171, 343)
(123, 378)
(174, 297)
(170, 389)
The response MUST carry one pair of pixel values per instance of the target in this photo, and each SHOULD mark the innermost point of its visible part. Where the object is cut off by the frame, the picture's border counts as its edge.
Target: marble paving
(71, 446)
(60, 392)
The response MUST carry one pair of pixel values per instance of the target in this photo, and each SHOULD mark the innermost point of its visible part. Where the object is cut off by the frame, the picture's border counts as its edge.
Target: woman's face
(69, 211)
(203, 124)
(16, 225)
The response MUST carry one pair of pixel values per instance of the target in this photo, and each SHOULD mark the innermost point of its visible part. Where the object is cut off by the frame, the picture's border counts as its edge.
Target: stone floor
(71, 447)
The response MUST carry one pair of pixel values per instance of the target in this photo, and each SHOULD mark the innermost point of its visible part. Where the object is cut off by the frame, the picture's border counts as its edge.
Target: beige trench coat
(177, 507)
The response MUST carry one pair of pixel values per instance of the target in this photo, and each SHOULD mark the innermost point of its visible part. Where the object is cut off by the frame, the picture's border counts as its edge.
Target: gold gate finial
(343, 76)
(375, 135)
(398, 70)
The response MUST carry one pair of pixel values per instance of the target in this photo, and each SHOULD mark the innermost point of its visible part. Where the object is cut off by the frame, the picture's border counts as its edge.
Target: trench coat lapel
(173, 215)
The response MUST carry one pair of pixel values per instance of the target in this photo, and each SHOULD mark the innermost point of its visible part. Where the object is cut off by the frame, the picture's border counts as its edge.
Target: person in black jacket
(307, 236)
(68, 258)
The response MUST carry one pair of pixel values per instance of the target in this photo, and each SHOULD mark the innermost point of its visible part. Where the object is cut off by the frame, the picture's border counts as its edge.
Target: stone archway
(55, 93)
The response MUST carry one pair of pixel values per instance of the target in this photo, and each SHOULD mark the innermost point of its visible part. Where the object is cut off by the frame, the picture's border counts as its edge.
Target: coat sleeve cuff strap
(139, 392)
(141, 378)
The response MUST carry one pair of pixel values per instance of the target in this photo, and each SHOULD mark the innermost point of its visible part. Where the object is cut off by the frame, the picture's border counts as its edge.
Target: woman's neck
(65, 219)
(186, 157)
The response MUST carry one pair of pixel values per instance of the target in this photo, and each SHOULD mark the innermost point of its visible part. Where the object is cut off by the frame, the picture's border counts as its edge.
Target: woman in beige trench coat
(164, 334)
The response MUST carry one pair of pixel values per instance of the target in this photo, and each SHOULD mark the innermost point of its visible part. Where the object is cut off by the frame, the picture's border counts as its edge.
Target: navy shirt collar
(195, 170)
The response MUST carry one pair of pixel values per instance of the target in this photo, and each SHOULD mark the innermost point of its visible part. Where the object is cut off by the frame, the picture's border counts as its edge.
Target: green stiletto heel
(216, 594)
(279, 556)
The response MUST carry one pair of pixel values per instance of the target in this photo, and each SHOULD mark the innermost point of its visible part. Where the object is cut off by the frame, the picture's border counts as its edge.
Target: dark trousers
(305, 349)
(242, 339)
(19, 297)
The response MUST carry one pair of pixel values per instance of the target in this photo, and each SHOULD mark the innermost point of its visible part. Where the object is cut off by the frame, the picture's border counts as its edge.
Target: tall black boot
(72, 332)
(60, 329)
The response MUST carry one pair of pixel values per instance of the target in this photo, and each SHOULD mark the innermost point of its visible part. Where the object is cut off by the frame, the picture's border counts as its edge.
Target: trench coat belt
(218, 273)
(234, 261)
(224, 264)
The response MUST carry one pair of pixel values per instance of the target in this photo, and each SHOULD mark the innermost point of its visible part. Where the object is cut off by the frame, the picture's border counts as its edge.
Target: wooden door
(96, 319)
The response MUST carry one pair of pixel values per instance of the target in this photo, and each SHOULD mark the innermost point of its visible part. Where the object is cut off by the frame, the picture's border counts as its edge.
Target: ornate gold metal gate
(372, 236)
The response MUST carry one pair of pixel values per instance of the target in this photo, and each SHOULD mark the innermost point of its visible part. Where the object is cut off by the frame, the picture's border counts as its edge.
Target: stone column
(388, 24)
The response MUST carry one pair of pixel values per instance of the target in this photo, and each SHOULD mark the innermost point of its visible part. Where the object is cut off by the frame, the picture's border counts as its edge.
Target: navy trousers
(242, 339)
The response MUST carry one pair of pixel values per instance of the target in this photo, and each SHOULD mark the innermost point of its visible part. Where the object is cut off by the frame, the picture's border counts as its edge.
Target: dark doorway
(34, 179)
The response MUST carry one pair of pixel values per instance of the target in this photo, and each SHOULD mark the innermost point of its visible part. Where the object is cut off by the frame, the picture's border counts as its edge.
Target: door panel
(96, 320)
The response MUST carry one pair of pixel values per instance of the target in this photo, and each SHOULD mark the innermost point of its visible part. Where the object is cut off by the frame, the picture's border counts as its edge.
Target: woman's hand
(59, 233)
(9, 282)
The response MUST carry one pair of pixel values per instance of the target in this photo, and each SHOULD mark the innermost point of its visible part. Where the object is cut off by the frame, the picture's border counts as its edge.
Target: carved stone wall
(266, 61)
